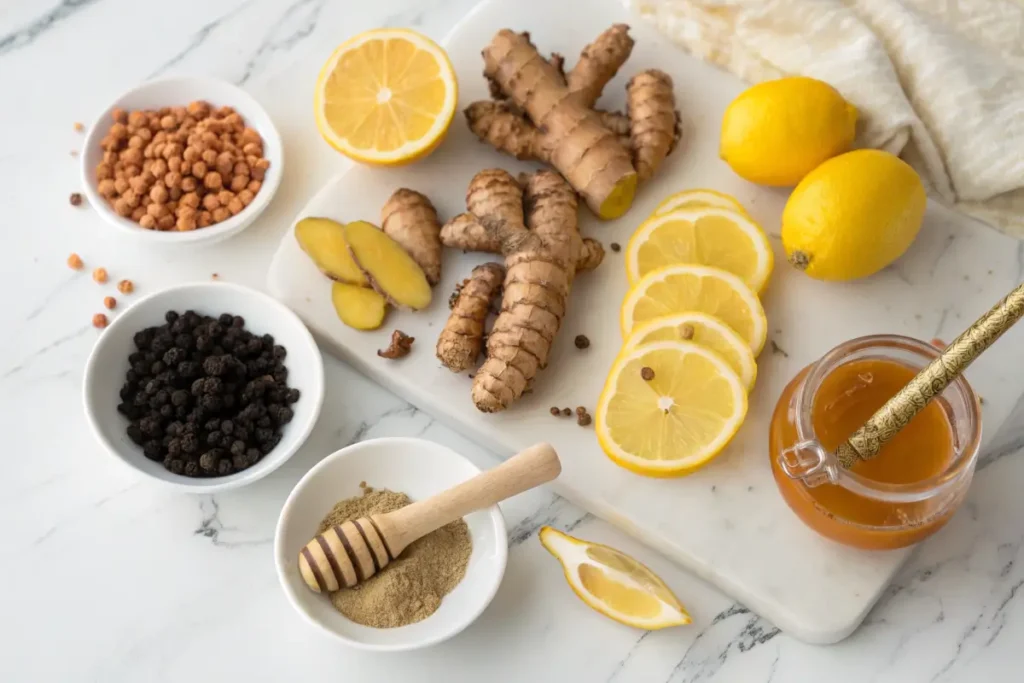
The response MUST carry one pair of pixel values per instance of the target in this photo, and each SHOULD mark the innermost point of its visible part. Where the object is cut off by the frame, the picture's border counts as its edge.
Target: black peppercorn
(205, 396)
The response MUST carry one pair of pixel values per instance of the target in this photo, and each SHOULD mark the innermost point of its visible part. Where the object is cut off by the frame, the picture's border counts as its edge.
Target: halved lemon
(386, 97)
(703, 329)
(688, 199)
(668, 408)
(708, 236)
(615, 584)
(684, 288)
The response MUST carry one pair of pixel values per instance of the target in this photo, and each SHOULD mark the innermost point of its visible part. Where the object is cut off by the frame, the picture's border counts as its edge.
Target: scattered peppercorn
(566, 412)
(75, 262)
(76, 199)
(647, 373)
(583, 420)
(100, 275)
(110, 302)
(125, 287)
(582, 342)
(556, 411)
(204, 396)
(615, 246)
(686, 331)
(99, 321)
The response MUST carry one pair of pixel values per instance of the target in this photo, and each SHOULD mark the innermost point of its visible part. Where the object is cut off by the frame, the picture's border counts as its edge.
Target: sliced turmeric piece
(358, 307)
(389, 268)
(324, 241)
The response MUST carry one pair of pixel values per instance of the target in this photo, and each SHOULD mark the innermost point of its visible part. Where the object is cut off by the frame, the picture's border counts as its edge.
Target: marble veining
(182, 588)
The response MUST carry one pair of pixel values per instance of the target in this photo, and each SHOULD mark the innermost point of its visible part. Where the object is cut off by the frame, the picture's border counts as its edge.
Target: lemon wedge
(668, 408)
(683, 288)
(615, 584)
(709, 236)
(386, 97)
(688, 199)
(703, 329)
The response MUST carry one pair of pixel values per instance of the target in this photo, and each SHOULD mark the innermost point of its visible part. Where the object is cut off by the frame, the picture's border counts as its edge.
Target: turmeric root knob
(653, 121)
(461, 340)
(573, 139)
(410, 219)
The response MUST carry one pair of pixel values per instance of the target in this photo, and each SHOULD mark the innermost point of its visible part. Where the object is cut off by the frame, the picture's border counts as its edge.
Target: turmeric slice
(358, 307)
(389, 268)
(324, 241)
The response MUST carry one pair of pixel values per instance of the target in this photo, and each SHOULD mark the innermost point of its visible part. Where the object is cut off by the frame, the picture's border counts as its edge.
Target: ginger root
(410, 219)
(401, 345)
(461, 340)
(550, 116)
(324, 241)
(358, 307)
(388, 267)
(541, 258)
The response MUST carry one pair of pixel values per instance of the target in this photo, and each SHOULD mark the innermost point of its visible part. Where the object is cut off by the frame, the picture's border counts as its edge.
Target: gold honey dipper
(352, 552)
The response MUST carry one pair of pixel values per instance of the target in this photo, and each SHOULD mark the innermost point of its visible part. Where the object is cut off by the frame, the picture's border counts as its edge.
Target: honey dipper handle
(529, 468)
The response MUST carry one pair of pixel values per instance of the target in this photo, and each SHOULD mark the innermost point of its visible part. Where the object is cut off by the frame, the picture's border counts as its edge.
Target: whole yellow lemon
(853, 215)
(776, 132)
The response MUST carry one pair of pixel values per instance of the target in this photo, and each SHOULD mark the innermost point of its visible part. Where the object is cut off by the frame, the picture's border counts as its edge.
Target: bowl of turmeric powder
(182, 160)
(435, 588)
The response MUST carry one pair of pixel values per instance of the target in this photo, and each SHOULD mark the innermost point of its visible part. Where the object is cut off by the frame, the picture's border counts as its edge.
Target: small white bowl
(173, 92)
(105, 374)
(420, 469)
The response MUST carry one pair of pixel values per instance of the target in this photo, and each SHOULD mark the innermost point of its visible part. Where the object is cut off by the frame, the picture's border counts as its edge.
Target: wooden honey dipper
(352, 552)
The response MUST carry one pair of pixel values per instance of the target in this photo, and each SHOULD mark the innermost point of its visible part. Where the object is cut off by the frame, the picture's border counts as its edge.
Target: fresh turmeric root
(410, 219)
(461, 340)
(541, 258)
(550, 116)
(388, 267)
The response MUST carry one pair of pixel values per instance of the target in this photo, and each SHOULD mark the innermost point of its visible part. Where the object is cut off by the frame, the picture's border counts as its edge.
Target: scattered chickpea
(76, 199)
(100, 275)
(75, 262)
(79, 127)
(566, 412)
(110, 302)
(99, 321)
(555, 411)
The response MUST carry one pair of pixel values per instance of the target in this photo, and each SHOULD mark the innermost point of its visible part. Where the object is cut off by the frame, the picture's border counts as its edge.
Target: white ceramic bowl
(105, 374)
(420, 469)
(179, 91)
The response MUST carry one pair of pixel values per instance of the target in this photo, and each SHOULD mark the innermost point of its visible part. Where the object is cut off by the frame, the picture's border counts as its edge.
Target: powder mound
(411, 588)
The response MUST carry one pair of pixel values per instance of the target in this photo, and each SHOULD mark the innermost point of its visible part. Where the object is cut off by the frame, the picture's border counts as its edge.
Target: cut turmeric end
(389, 268)
(358, 307)
(619, 199)
(324, 241)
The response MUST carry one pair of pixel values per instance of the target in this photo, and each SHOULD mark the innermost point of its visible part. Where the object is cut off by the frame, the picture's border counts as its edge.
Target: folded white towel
(939, 82)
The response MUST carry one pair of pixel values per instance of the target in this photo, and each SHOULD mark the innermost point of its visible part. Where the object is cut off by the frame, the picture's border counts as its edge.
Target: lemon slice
(386, 97)
(684, 288)
(668, 408)
(698, 198)
(615, 584)
(703, 329)
(709, 236)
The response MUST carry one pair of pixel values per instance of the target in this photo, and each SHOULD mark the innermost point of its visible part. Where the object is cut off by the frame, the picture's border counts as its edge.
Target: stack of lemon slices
(693, 324)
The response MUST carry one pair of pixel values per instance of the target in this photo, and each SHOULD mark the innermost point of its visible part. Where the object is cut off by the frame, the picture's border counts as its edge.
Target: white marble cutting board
(726, 523)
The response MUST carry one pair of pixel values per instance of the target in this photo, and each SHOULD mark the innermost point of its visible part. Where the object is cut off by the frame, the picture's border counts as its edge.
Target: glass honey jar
(918, 479)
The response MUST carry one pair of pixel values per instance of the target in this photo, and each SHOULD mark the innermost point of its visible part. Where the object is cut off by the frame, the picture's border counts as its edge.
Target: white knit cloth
(939, 82)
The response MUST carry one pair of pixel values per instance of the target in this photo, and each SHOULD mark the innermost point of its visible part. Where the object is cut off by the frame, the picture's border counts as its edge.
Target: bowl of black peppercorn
(204, 387)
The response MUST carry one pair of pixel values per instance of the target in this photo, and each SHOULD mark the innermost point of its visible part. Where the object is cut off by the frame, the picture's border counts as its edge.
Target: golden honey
(915, 483)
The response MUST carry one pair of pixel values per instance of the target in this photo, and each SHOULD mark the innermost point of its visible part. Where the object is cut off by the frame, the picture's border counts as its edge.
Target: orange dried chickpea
(125, 287)
(75, 262)
(181, 167)
(110, 302)
(99, 321)
(100, 275)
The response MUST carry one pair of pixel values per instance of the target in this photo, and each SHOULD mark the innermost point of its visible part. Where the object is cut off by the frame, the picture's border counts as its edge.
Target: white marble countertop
(106, 578)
